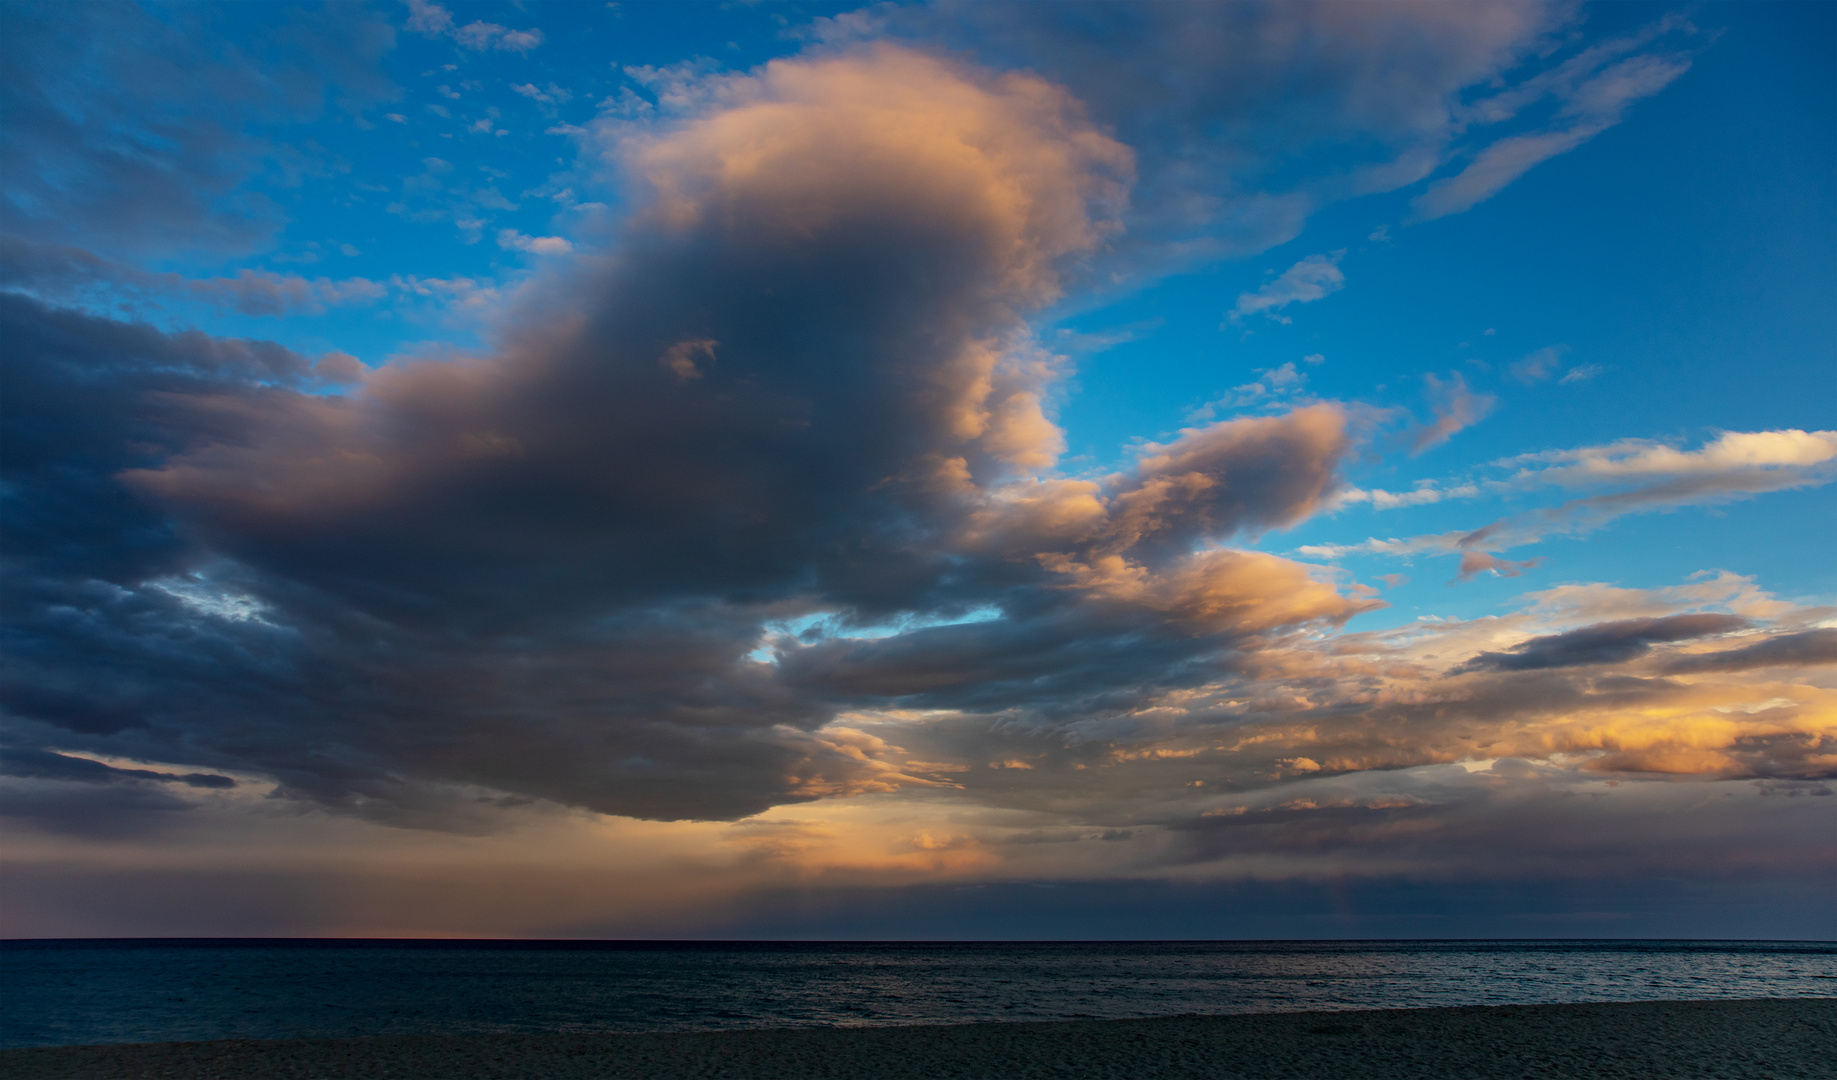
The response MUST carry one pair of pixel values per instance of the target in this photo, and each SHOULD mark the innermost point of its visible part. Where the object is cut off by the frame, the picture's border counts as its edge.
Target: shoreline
(1762, 1038)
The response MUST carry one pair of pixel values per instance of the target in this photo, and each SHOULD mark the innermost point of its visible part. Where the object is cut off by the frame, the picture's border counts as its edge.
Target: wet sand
(1770, 1039)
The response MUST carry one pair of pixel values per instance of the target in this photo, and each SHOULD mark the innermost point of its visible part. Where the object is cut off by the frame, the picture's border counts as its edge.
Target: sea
(56, 993)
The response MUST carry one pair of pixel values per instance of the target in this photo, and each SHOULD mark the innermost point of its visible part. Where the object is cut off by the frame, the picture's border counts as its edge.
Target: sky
(918, 471)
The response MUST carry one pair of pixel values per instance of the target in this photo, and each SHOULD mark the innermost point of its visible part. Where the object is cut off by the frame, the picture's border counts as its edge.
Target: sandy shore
(1770, 1039)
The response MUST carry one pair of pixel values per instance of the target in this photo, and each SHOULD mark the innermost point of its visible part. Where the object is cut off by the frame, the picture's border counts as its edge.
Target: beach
(1770, 1038)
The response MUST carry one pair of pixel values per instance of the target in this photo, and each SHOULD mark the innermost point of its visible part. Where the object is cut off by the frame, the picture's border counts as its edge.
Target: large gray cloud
(796, 388)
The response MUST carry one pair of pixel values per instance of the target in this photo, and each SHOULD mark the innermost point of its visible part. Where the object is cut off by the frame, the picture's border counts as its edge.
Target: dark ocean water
(66, 992)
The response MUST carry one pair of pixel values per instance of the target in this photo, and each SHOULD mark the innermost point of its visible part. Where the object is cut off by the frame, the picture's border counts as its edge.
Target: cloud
(129, 132)
(1641, 475)
(1232, 154)
(1497, 166)
(573, 549)
(433, 20)
(1311, 279)
(1456, 407)
(1809, 648)
(633, 528)
(1372, 753)
(764, 506)
(1593, 98)
(428, 18)
(43, 765)
(1425, 492)
(1273, 387)
(74, 275)
(535, 245)
(1474, 563)
(1243, 474)
(1646, 476)
(437, 194)
(1404, 547)
(467, 296)
(1539, 365)
(553, 95)
(1735, 461)
(1604, 643)
(1544, 363)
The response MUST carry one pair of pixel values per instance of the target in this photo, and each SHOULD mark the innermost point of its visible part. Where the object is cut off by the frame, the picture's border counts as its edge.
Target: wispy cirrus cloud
(1304, 77)
(128, 132)
(70, 274)
(1733, 462)
(1539, 365)
(1455, 408)
(1593, 89)
(1548, 363)
(1426, 492)
(1475, 563)
(1313, 278)
(1641, 475)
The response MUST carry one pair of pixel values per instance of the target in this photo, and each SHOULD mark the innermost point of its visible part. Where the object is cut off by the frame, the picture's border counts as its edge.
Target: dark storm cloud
(544, 570)
(1604, 643)
(826, 388)
(128, 129)
(88, 397)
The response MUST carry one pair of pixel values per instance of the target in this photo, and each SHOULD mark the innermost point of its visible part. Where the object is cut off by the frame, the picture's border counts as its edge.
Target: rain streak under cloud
(736, 532)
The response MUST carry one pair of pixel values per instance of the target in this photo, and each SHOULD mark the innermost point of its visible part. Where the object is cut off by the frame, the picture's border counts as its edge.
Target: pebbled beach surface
(1771, 1039)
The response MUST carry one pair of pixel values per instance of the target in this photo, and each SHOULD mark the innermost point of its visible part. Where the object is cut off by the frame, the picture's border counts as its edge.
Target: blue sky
(857, 446)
